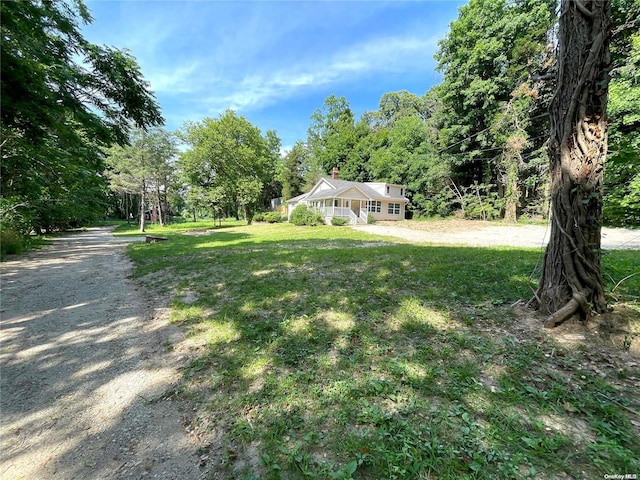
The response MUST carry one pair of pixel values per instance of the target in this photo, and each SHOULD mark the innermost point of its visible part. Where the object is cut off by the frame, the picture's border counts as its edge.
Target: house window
(394, 209)
(387, 189)
(401, 191)
(335, 202)
(374, 206)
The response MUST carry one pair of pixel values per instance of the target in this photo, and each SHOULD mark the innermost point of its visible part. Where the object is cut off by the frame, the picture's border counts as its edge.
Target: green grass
(335, 354)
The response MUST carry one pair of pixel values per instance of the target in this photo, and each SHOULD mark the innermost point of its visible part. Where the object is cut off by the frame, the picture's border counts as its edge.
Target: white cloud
(175, 79)
(378, 56)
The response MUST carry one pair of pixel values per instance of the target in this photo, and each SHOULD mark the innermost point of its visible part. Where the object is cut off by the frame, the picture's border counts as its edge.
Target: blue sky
(274, 61)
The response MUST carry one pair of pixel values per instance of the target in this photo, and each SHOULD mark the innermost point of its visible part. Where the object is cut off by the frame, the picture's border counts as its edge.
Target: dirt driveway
(486, 234)
(85, 370)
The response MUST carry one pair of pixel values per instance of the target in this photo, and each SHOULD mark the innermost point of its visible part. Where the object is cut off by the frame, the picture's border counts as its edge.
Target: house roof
(337, 187)
(298, 198)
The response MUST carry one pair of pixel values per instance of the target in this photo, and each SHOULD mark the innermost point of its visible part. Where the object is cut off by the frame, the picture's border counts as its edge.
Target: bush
(273, 217)
(339, 221)
(259, 217)
(371, 219)
(481, 202)
(301, 215)
(11, 242)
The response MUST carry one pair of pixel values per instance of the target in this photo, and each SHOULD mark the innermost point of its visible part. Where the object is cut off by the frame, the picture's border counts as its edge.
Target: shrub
(11, 242)
(273, 217)
(301, 215)
(481, 202)
(371, 219)
(339, 221)
(259, 217)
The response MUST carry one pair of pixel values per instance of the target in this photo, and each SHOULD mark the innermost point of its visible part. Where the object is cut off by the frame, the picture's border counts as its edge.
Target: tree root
(577, 305)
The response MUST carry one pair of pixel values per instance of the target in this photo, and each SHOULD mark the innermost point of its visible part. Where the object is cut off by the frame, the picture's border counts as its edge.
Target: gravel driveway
(485, 234)
(85, 368)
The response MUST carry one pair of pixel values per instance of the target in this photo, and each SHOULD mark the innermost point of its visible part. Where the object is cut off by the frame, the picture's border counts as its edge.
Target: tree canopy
(63, 98)
(144, 168)
(230, 156)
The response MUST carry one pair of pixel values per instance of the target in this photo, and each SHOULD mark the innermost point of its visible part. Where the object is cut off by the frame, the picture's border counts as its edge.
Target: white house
(332, 197)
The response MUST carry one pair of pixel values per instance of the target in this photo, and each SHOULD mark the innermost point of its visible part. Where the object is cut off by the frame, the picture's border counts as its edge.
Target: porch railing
(334, 211)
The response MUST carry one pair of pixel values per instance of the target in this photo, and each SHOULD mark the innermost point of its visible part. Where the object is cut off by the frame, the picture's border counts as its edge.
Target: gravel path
(85, 369)
(483, 234)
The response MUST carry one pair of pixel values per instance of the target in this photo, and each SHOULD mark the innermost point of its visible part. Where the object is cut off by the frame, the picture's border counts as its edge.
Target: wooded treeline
(80, 141)
(64, 100)
(477, 143)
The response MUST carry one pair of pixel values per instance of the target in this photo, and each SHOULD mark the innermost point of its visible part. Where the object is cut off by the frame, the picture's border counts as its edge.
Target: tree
(396, 105)
(144, 168)
(510, 131)
(332, 135)
(62, 99)
(229, 154)
(292, 173)
(571, 282)
(492, 48)
(622, 171)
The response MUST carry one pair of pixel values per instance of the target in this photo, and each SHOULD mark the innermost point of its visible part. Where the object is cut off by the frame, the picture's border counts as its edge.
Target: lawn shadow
(322, 352)
(80, 369)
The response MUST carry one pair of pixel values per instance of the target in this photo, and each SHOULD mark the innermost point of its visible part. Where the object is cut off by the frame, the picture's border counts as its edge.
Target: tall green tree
(62, 98)
(230, 154)
(622, 171)
(293, 171)
(332, 137)
(492, 48)
(571, 281)
(144, 168)
(396, 105)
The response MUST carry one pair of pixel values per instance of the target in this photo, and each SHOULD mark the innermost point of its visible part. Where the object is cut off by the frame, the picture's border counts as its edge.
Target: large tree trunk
(571, 283)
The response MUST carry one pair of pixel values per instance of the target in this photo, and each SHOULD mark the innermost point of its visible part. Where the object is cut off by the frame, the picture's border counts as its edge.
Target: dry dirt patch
(86, 367)
(478, 233)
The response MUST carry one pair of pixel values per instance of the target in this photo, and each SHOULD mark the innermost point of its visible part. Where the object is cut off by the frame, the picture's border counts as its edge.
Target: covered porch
(354, 209)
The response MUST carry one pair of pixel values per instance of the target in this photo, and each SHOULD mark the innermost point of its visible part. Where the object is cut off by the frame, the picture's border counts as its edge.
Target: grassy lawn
(329, 353)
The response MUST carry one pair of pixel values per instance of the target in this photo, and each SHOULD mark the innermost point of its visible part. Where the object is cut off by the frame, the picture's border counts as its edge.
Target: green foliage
(259, 217)
(292, 173)
(11, 242)
(621, 178)
(493, 48)
(273, 217)
(63, 99)
(302, 215)
(480, 201)
(339, 221)
(332, 138)
(144, 168)
(230, 156)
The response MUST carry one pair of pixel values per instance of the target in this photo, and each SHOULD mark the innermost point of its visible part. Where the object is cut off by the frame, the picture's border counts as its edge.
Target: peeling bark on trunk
(571, 282)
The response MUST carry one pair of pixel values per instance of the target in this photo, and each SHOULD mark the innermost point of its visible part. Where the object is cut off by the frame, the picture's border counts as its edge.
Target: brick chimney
(334, 173)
